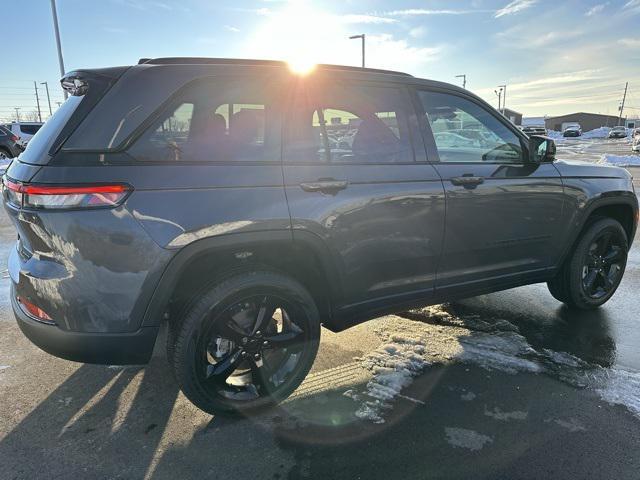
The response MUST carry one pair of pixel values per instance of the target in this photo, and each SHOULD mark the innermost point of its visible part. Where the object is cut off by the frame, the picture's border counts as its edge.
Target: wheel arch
(302, 256)
(621, 206)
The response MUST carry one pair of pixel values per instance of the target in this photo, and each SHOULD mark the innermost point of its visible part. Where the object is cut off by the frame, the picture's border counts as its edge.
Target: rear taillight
(15, 138)
(64, 197)
(34, 311)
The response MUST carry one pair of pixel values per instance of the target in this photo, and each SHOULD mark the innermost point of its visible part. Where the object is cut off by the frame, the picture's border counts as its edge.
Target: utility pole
(35, 86)
(504, 97)
(464, 79)
(499, 94)
(17, 109)
(46, 86)
(353, 37)
(624, 97)
(57, 32)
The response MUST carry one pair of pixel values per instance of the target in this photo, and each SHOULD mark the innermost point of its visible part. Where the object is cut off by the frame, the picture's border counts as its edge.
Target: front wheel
(594, 270)
(247, 343)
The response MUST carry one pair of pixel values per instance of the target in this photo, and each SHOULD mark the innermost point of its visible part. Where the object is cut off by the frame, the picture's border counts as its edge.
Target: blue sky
(555, 56)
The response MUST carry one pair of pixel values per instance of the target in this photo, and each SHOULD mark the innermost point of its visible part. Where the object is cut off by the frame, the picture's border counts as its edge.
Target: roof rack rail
(242, 61)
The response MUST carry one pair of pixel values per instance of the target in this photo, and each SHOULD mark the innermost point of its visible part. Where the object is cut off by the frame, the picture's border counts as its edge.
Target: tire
(245, 343)
(593, 271)
(5, 154)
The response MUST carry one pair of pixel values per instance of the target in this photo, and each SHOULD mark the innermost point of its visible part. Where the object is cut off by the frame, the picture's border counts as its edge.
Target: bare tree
(30, 116)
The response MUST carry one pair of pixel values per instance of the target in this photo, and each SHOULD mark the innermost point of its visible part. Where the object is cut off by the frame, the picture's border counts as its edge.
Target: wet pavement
(509, 385)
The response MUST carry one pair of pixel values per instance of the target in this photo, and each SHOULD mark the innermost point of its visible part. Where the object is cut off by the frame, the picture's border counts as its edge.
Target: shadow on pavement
(468, 423)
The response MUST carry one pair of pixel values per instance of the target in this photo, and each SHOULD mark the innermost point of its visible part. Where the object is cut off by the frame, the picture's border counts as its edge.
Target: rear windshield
(30, 129)
(37, 151)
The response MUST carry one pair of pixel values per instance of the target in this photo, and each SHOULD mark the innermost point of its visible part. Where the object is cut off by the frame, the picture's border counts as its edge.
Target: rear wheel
(4, 154)
(594, 270)
(247, 343)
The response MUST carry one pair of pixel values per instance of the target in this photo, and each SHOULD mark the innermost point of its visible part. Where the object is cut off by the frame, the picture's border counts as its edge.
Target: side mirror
(541, 149)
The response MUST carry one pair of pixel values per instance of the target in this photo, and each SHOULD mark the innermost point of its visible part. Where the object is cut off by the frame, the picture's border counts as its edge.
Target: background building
(515, 117)
(588, 121)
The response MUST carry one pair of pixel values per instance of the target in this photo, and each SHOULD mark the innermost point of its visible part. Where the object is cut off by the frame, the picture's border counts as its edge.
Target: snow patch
(620, 160)
(498, 414)
(572, 425)
(468, 397)
(463, 438)
(469, 339)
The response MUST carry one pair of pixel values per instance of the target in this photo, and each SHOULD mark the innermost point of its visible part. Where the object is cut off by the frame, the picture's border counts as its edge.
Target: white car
(24, 130)
(635, 143)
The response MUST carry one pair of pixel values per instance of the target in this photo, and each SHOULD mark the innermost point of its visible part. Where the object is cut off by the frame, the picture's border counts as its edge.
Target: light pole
(353, 37)
(46, 86)
(464, 79)
(504, 97)
(57, 32)
(17, 109)
(499, 94)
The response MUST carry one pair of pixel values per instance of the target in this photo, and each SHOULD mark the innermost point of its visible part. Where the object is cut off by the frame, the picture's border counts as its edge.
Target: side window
(466, 132)
(355, 124)
(30, 129)
(216, 122)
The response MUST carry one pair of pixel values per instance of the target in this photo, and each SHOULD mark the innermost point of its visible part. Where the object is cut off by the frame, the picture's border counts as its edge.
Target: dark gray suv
(246, 205)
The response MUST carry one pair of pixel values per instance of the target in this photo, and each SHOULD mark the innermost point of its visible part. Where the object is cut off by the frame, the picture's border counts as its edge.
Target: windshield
(37, 151)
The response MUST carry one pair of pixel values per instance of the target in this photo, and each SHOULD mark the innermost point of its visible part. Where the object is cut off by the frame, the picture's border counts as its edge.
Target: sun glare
(302, 36)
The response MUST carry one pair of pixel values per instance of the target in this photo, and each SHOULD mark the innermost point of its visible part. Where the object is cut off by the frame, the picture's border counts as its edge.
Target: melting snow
(620, 160)
(405, 353)
(505, 416)
(463, 438)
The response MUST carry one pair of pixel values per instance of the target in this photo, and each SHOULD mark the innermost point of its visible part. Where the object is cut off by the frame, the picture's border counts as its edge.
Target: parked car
(534, 129)
(219, 208)
(635, 142)
(572, 131)
(618, 132)
(9, 147)
(23, 130)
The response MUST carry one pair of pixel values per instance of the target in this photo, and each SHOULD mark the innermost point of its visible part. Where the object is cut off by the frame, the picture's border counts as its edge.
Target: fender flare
(625, 198)
(241, 240)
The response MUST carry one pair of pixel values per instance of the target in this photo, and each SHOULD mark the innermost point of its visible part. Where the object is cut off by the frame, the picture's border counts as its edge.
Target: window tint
(466, 132)
(30, 129)
(217, 121)
(340, 123)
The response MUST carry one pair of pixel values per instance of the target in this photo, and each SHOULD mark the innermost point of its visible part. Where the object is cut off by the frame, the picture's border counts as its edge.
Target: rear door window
(227, 120)
(341, 123)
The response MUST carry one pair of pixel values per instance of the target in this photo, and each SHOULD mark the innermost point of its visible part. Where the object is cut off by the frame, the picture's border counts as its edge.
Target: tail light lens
(64, 197)
(15, 138)
(34, 311)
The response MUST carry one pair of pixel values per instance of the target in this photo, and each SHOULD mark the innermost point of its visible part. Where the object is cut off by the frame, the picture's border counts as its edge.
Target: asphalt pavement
(510, 385)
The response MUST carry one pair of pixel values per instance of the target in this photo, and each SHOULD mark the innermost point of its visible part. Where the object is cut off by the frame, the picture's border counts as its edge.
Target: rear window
(229, 120)
(30, 129)
(37, 151)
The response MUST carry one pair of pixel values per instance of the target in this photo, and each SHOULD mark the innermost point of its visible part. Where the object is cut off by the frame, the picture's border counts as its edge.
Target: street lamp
(353, 37)
(504, 97)
(464, 79)
(57, 32)
(498, 94)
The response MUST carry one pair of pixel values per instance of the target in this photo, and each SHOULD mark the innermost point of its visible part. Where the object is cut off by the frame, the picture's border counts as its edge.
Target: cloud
(630, 42)
(596, 9)
(418, 32)
(426, 11)
(515, 7)
(231, 28)
(375, 19)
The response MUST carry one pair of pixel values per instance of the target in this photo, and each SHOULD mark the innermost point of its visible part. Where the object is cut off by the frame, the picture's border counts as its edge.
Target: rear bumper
(132, 348)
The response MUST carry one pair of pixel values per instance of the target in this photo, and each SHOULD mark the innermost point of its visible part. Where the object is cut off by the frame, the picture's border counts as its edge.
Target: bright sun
(302, 36)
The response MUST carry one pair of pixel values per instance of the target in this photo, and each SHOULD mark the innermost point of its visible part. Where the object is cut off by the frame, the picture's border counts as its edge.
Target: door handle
(467, 181)
(325, 186)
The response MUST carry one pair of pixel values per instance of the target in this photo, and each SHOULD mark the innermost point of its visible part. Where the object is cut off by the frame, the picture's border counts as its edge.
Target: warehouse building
(588, 121)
